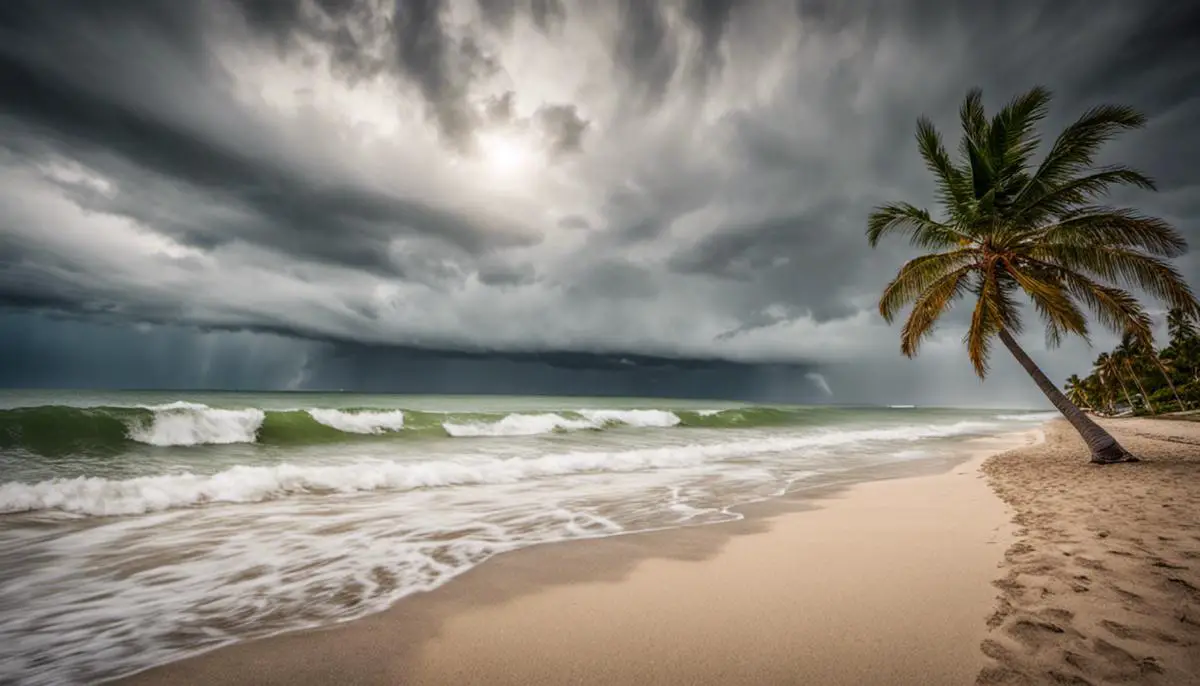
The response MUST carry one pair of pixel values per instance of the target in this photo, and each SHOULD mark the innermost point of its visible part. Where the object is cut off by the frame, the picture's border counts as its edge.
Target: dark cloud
(563, 126)
(547, 14)
(440, 64)
(710, 18)
(140, 133)
(498, 13)
(645, 49)
(547, 185)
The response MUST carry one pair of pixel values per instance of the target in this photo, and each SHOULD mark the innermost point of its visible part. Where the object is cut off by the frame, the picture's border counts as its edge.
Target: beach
(142, 529)
(1075, 574)
(886, 581)
(1102, 584)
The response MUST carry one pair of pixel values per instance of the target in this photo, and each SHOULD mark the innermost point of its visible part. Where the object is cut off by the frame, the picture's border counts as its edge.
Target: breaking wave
(60, 430)
(63, 430)
(245, 484)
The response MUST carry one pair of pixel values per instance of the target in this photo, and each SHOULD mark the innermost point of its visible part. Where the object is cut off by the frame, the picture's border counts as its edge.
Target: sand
(1076, 574)
(883, 582)
(1102, 584)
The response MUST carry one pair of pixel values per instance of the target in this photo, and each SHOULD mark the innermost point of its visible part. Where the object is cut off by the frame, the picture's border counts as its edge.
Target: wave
(534, 424)
(364, 422)
(245, 484)
(64, 430)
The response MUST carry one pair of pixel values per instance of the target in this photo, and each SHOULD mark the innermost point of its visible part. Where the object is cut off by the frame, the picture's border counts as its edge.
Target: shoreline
(423, 636)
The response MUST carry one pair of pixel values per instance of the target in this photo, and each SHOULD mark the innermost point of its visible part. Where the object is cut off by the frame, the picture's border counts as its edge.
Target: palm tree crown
(1010, 226)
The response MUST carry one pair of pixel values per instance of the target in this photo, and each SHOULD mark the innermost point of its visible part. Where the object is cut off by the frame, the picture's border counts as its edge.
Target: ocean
(141, 527)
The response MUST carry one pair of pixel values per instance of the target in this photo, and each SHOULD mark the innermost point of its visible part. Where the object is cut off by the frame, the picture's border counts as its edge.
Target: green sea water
(139, 527)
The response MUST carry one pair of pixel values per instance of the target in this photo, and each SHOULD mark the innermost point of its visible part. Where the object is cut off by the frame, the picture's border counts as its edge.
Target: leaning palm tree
(1010, 226)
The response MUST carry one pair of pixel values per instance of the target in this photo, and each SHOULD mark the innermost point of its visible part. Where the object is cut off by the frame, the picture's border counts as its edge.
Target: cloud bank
(678, 181)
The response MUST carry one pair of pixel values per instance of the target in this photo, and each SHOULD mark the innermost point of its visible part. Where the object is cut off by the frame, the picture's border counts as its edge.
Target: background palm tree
(1144, 353)
(1184, 348)
(1125, 356)
(1108, 368)
(1009, 226)
(1077, 392)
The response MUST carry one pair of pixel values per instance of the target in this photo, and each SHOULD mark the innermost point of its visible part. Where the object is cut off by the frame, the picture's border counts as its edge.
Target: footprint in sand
(1037, 633)
(1057, 677)
(1128, 665)
(1159, 562)
(1135, 633)
(1129, 596)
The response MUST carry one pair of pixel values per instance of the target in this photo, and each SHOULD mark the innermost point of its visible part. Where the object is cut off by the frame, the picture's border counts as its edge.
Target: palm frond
(1075, 148)
(985, 323)
(908, 219)
(1064, 197)
(1012, 137)
(1118, 227)
(953, 190)
(1116, 308)
(1052, 302)
(918, 275)
(1118, 264)
(934, 301)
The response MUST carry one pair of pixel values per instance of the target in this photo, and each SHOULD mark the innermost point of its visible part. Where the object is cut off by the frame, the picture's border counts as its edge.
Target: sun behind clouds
(505, 155)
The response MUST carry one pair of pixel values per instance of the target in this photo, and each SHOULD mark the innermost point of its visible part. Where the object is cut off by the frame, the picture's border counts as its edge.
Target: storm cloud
(544, 187)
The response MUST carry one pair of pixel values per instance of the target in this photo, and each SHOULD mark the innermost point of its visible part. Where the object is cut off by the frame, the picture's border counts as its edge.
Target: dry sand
(886, 582)
(1103, 584)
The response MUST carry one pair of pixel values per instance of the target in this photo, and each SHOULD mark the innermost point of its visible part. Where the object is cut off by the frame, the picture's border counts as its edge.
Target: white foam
(534, 424)
(364, 422)
(243, 484)
(647, 418)
(518, 425)
(183, 423)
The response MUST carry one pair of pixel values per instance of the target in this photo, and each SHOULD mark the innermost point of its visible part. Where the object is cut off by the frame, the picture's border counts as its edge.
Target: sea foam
(549, 422)
(183, 423)
(244, 484)
(360, 422)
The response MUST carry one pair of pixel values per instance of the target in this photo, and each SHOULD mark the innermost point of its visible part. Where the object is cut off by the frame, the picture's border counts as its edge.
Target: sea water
(138, 528)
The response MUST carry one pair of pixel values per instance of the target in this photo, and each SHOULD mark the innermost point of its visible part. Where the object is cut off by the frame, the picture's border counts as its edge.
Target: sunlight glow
(504, 154)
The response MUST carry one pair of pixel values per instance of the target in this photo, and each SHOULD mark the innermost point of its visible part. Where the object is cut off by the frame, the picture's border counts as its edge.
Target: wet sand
(887, 581)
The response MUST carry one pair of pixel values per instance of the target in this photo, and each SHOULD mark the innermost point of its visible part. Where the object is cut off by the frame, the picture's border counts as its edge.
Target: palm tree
(1109, 370)
(1077, 393)
(1143, 350)
(1125, 355)
(1185, 343)
(1096, 389)
(1010, 226)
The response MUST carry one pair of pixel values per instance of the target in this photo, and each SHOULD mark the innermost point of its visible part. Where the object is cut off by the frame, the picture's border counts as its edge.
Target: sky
(526, 196)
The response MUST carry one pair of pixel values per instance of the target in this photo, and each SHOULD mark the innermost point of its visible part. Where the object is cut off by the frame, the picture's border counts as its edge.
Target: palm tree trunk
(1105, 449)
(1163, 368)
(1141, 389)
(1124, 388)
